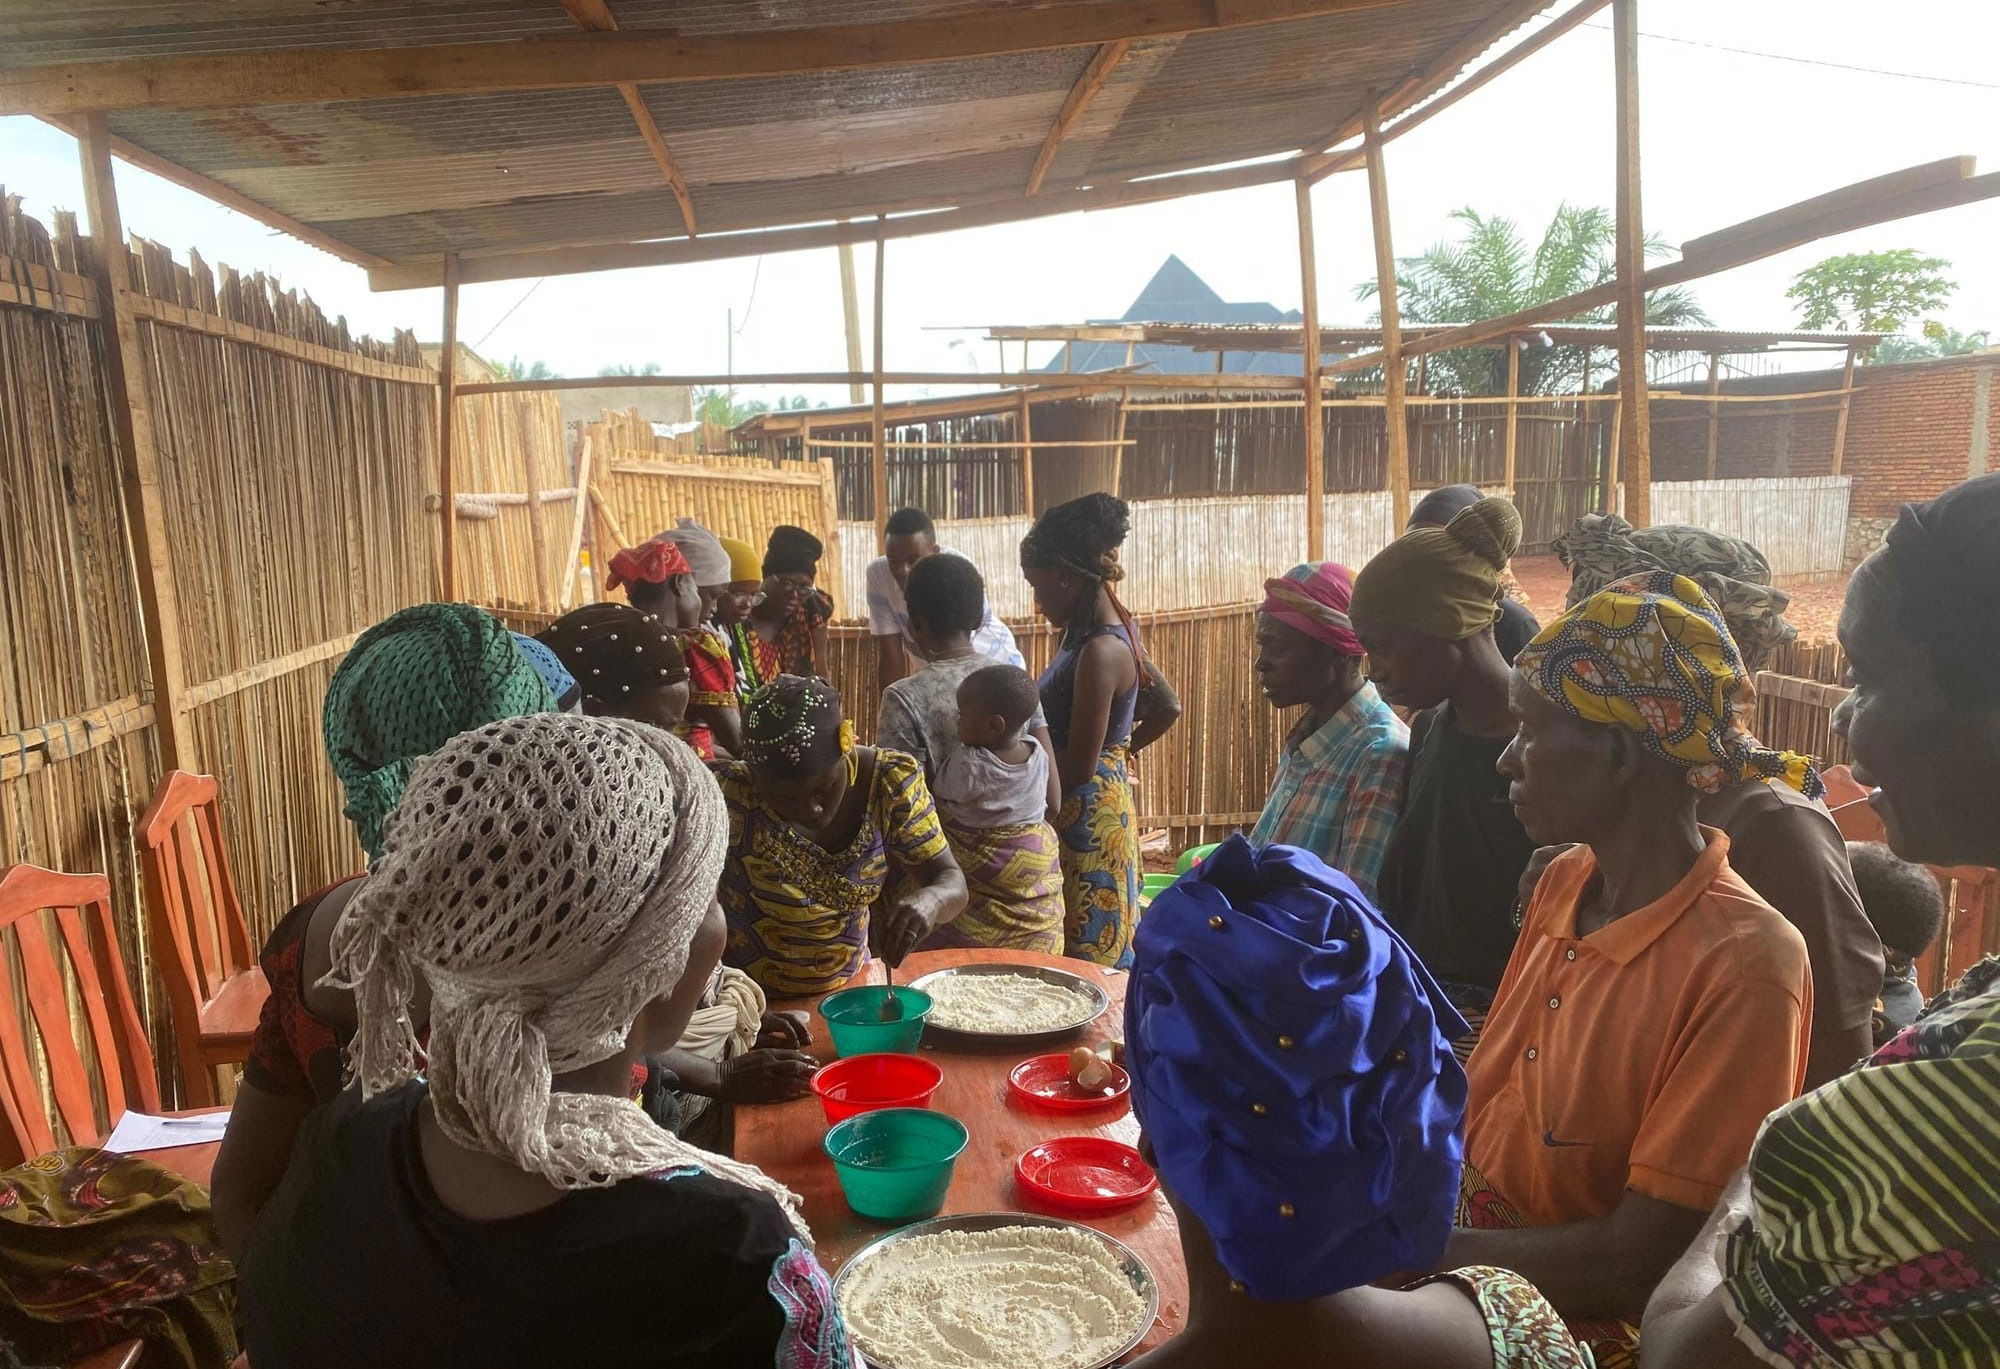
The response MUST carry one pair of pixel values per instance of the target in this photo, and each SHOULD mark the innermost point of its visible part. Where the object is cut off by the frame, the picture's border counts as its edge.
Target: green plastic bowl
(1152, 886)
(895, 1164)
(1193, 856)
(854, 1018)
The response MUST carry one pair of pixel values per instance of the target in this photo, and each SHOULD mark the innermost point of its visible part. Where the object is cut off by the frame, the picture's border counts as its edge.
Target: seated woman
(755, 660)
(1655, 1008)
(1010, 866)
(491, 1197)
(816, 824)
(1292, 1071)
(1866, 1232)
(407, 686)
(659, 582)
(793, 614)
(735, 1050)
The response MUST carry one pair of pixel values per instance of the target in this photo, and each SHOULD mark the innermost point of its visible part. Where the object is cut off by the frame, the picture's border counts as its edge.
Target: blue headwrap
(554, 673)
(1291, 1065)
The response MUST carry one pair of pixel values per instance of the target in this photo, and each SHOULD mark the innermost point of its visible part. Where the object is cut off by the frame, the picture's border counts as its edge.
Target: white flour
(1026, 1297)
(1005, 1003)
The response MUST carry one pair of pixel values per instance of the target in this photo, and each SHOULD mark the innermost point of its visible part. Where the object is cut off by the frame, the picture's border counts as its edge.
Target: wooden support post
(1026, 425)
(579, 519)
(1066, 355)
(1846, 401)
(850, 312)
(1513, 413)
(1714, 409)
(130, 400)
(447, 403)
(880, 467)
(538, 533)
(1315, 429)
(1394, 378)
(1118, 449)
(1635, 426)
(1611, 455)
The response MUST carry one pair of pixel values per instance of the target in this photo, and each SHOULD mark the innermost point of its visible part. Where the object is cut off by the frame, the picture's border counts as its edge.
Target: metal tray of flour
(1100, 1001)
(1135, 1268)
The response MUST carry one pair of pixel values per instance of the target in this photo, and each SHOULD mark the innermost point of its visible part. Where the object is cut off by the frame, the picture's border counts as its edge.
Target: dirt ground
(1815, 606)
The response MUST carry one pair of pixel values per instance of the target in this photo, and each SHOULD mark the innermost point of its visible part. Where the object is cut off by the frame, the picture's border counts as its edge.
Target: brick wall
(1909, 434)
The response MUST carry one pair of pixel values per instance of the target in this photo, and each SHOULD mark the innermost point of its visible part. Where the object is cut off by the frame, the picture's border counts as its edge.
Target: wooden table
(784, 1139)
(190, 1162)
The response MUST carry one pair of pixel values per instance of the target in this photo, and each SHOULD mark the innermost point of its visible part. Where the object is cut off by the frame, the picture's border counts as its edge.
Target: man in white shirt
(910, 538)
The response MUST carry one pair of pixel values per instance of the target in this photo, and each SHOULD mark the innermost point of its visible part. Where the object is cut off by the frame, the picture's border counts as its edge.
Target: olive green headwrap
(1442, 582)
(409, 685)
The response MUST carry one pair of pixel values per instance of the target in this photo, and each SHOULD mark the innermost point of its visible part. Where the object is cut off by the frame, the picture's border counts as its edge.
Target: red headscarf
(650, 563)
(1313, 598)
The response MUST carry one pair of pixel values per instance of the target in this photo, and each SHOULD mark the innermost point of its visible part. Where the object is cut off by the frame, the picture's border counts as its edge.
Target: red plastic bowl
(1043, 1081)
(865, 1083)
(1085, 1174)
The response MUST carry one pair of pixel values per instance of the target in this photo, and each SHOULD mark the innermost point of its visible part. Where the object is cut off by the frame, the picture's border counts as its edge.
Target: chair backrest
(192, 892)
(80, 908)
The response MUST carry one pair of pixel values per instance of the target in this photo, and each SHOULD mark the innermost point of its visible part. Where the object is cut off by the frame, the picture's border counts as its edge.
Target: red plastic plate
(1043, 1081)
(1085, 1173)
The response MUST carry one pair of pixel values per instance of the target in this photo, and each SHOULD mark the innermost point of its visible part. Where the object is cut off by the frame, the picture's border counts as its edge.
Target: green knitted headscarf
(409, 685)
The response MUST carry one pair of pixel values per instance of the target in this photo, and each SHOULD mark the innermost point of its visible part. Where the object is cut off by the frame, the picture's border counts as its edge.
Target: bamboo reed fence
(518, 506)
(295, 462)
(732, 496)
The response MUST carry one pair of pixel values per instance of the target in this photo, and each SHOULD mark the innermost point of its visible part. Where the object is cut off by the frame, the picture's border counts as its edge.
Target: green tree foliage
(1491, 269)
(516, 369)
(626, 368)
(1935, 340)
(1871, 292)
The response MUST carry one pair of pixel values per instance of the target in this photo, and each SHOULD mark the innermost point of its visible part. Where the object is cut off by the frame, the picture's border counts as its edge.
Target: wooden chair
(81, 905)
(201, 943)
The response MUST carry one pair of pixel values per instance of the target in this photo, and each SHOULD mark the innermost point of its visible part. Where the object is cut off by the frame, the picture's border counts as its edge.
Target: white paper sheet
(143, 1131)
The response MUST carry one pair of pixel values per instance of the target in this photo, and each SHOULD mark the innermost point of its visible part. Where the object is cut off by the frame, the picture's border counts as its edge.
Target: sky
(1802, 106)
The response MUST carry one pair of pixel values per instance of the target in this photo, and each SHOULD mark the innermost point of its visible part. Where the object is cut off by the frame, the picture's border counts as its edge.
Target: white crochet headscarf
(545, 875)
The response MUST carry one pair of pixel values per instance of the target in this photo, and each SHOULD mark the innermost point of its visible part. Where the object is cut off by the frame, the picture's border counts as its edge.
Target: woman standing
(793, 614)
(1866, 1230)
(755, 660)
(815, 824)
(498, 1169)
(1070, 559)
(711, 671)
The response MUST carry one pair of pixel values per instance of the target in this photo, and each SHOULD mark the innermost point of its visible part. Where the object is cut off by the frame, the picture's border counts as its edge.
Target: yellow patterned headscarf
(1651, 654)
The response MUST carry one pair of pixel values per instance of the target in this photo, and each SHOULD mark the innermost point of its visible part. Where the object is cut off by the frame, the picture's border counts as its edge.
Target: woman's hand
(766, 1076)
(785, 1031)
(922, 900)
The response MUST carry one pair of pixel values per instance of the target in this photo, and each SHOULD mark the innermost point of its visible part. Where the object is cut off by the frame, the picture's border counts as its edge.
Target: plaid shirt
(1338, 788)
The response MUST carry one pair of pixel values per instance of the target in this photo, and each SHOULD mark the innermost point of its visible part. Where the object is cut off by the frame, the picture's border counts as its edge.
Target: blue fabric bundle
(553, 672)
(1291, 1066)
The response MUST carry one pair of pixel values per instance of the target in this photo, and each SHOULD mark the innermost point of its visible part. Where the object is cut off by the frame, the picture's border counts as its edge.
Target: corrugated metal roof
(412, 177)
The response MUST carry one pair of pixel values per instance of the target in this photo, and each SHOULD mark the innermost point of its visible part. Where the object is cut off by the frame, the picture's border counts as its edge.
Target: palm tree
(516, 369)
(1935, 340)
(1490, 270)
(626, 368)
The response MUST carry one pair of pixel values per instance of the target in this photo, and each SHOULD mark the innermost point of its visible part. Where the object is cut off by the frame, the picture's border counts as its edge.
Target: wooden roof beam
(1095, 73)
(1881, 199)
(227, 196)
(232, 80)
(596, 16)
(560, 261)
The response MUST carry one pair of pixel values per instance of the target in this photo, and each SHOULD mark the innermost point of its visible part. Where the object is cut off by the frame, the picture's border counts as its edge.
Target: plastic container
(1043, 1081)
(895, 1165)
(866, 1083)
(1152, 886)
(1194, 856)
(854, 1020)
(1085, 1174)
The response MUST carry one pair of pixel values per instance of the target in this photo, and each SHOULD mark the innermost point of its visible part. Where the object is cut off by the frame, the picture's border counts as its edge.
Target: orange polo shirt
(1642, 1056)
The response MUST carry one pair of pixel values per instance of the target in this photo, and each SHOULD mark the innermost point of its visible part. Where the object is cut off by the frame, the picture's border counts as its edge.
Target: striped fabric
(1874, 1238)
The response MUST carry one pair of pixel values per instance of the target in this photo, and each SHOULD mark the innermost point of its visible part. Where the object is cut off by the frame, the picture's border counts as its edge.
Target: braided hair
(1082, 536)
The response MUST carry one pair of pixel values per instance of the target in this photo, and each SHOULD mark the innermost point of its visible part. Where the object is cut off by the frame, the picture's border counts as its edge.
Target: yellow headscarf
(744, 563)
(1651, 654)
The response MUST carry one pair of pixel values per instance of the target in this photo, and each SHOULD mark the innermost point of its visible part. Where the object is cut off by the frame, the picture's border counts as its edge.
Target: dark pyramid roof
(1176, 294)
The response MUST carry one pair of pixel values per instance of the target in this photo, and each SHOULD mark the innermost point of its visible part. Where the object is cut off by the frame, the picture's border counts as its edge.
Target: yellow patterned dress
(798, 913)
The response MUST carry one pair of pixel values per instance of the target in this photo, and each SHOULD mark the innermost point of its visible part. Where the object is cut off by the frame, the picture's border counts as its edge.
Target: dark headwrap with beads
(1291, 1065)
(614, 649)
(794, 725)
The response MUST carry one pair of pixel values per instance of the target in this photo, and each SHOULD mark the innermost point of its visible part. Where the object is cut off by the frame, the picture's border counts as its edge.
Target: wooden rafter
(1102, 63)
(560, 261)
(231, 80)
(596, 16)
(228, 196)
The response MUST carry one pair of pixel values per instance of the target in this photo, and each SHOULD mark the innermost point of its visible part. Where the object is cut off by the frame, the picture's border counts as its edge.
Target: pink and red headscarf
(1313, 599)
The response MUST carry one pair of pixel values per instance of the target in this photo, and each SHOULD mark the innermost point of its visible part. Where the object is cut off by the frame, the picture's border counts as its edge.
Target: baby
(999, 776)
(1907, 907)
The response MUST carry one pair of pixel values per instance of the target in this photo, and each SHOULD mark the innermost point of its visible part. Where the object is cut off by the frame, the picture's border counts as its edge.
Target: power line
(1811, 61)
(509, 314)
(751, 303)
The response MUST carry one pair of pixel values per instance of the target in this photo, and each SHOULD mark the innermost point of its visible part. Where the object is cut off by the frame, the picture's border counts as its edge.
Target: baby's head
(994, 703)
(1902, 899)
